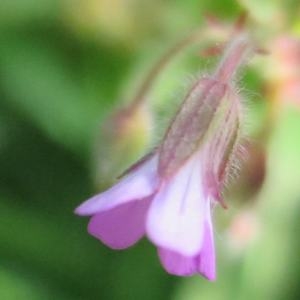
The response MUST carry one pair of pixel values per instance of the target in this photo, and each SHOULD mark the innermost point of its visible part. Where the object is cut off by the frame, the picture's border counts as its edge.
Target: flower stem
(235, 55)
(147, 83)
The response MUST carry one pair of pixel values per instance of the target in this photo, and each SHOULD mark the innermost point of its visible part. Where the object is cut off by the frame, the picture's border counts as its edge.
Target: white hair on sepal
(238, 153)
(165, 111)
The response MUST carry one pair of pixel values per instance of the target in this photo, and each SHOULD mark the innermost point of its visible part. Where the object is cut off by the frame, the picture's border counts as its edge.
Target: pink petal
(177, 213)
(138, 184)
(206, 259)
(204, 263)
(121, 226)
(177, 264)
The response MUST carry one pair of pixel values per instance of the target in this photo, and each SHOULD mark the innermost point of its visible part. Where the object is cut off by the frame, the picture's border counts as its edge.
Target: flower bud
(124, 136)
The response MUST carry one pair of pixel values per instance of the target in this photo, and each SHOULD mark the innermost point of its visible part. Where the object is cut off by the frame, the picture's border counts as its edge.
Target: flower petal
(177, 264)
(206, 260)
(176, 216)
(138, 184)
(204, 263)
(121, 226)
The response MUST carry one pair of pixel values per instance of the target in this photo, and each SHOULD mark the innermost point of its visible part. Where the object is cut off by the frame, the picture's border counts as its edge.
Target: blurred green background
(65, 66)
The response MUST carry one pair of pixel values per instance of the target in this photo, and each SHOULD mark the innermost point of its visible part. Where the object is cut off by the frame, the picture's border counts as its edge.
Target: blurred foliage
(64, 67)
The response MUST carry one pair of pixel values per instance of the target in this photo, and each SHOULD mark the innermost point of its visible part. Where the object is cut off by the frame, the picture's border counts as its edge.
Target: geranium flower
(168, 195)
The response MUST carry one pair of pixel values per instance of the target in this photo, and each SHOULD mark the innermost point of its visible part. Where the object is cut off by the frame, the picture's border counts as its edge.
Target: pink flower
(168, 195)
